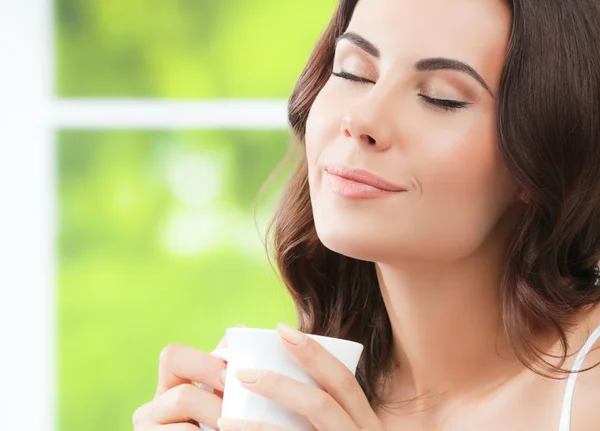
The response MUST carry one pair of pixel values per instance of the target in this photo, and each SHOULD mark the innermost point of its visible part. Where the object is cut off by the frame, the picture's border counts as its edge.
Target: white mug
(263, 349)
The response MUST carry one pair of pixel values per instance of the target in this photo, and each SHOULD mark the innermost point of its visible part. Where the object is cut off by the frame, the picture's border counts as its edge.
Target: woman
(446, 214)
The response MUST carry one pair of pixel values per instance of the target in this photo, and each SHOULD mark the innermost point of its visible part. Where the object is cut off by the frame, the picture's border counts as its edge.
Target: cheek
(323, 123)
(466, 160)
(465, 188)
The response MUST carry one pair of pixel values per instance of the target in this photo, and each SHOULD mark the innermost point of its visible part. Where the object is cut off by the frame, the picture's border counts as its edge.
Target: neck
(447, 327)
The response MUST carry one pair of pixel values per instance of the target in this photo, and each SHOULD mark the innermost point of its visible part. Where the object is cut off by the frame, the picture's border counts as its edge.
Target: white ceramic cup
(263, 349)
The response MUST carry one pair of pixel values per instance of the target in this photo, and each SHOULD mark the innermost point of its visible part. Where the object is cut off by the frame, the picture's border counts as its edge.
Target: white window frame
(30, 115)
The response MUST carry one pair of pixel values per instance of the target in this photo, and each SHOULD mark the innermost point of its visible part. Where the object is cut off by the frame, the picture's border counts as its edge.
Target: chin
(352, 233)
(351, 242)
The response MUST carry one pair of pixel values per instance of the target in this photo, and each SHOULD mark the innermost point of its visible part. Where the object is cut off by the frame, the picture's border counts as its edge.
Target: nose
(366, 123)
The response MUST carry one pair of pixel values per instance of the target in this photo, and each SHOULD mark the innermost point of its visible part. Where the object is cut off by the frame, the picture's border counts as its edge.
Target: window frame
(31, 115)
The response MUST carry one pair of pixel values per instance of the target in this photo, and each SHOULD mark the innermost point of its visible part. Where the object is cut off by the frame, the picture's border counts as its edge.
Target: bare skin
(437, 244)
(518, 400)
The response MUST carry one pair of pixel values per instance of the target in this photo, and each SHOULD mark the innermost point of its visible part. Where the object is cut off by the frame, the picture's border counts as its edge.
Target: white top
(565, 416)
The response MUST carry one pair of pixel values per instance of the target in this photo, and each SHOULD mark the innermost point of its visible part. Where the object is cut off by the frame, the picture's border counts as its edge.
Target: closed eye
(345, 75)
(446, 104)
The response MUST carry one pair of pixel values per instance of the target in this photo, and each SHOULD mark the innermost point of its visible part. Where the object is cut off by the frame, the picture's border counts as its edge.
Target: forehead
(473, 31)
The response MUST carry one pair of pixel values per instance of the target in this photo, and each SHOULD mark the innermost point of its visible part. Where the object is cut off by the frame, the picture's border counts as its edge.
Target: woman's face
(422, 117)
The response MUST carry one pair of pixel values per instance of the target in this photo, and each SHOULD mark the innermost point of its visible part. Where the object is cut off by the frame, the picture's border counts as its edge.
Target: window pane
(157, 245)
(185, 48)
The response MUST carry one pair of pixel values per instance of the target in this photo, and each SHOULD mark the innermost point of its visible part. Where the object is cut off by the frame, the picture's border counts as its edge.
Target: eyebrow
(426, 64)
(450, 64)
(359, 41)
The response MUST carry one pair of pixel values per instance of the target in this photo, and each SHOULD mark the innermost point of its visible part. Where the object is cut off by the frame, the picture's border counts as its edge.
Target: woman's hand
(179, 405)
(342, 406)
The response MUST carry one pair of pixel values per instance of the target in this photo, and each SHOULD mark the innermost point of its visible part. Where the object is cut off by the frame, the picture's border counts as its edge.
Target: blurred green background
(161, 232)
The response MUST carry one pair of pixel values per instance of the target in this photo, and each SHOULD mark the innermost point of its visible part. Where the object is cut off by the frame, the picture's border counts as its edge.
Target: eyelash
(445, 104)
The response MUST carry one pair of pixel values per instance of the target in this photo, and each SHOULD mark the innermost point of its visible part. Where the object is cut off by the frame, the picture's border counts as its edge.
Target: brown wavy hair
(549, 136)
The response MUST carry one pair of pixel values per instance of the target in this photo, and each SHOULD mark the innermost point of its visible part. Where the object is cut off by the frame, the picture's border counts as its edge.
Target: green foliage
(158, 239)
(157, 246)
(185, 48)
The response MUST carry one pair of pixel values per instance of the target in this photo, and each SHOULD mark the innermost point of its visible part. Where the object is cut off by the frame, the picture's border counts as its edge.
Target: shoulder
(585, 413)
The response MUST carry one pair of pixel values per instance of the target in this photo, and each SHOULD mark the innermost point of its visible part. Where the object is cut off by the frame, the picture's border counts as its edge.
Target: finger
(178, 427)
(182, 364)
(332, 374)
(172, 427)
(227, 424)
(222, 344)
(316, 405)
(183, 403)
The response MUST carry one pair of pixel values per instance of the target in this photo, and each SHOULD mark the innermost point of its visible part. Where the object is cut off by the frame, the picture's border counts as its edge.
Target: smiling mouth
(359, 184)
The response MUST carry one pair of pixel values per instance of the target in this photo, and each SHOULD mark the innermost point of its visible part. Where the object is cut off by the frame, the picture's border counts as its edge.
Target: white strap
(565, 416)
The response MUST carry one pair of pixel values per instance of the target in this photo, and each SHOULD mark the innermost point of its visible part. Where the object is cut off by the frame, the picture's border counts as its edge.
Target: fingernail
(249, 376)
(290, 334)
(223, 375)
(226, 424)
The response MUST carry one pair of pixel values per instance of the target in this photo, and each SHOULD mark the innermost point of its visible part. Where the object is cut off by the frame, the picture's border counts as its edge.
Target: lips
(358, 184)
(363, 177)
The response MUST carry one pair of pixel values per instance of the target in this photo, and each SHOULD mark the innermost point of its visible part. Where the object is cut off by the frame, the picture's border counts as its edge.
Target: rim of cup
(271, 331)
